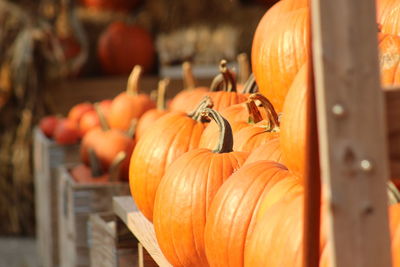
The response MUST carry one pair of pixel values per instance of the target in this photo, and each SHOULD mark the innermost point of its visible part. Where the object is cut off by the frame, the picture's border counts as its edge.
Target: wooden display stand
(47, 157)
(75, 203)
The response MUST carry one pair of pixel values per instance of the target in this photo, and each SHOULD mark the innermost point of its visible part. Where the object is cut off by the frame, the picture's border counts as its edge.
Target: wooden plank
(125, 208)
(144, 258)
(351, 122)
(392, 99)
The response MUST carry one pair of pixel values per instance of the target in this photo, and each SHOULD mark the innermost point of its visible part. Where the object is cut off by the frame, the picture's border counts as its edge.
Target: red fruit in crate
(66, 132)
(111, 5)
(76, 112)
(48, 125)
(122, 46)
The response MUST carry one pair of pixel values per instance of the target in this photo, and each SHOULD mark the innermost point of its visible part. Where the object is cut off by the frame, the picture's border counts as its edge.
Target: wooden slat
(353, 151)
(125, 208)
(144, 258)
(392, 98)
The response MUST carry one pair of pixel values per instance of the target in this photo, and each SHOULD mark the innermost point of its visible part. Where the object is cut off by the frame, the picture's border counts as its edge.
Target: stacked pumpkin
(229, 192)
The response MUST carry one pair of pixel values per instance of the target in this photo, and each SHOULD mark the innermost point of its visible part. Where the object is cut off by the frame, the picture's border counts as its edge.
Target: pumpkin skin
(66, 133)
(395, 233)
(268, 151)
(279, 49)
(232, 214)
(114, 5)
(170, 136)
(388, 16)
(48, 125)
(77, 111)
(186, 192)
(83, 174)
(122, 46)
(89, 121)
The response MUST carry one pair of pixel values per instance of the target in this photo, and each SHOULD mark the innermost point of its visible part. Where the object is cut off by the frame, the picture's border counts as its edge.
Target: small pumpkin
(271, 150)
(122, 46)
(66, 132)
(91, 120)
(168, 138)
(130, 104)
(187, 99)
(150, 116)
(111, 5)
(232, 213)
(76, 112)
(186, 192)
(48, 124)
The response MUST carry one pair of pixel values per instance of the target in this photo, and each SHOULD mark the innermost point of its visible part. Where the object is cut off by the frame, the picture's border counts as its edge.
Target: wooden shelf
(125, 208)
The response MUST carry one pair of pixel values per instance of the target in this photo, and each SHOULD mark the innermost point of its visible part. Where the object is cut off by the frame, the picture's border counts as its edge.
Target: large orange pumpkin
(122, 46)
(150, 116)
(388, 16)
(233, 211)
(187, 99)
(129, 105)
(167, 139)
(268, 151)
(186, 192)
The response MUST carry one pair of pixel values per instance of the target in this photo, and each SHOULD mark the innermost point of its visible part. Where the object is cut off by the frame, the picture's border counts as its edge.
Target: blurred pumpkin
(48, 125)
(111, 5)
(66, 132)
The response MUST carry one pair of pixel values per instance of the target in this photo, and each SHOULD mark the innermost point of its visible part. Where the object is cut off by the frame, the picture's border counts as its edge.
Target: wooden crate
(110, 242)
(149, 251)
(47, 157)
(75, 203)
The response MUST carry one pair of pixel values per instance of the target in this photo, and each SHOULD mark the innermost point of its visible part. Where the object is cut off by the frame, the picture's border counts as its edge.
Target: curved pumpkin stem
(153, 95)
(161, 90)
(206, 102)
(132, 128)
(272, 115)
(103, 121)
(250, 87)
(225, 79)
(132, 87)
(115, 166)
(254, 113)
(244, 67)
(225, 144)
(393, 193)
(94, 163)
(188, 77)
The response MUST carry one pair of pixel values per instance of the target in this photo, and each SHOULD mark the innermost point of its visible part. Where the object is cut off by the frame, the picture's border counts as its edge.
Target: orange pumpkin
(122, 46)
(111, 5)
(254, 135)
(268, 151)
(66, 133)
(76, 112)
(388, 16)
(232, 213)
(130, 104)
(48, 124)
(150, 116)
(168, 138)
(186, 192)
(187, 99)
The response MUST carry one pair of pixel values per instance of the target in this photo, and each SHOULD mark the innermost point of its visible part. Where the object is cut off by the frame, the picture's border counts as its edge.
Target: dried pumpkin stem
(94, 163)
(224, 80)
(272, 115)
(225, 144)
(393, 193)
(244, 67)
(132, 87)
(254, 113)
(188, 77)
(250, 87)
(132, 128)
(115, 167)
(162, 88)
(206, 102)
(103, 121)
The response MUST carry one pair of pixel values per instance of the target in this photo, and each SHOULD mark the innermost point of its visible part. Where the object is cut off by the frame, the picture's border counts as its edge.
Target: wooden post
(352, 131)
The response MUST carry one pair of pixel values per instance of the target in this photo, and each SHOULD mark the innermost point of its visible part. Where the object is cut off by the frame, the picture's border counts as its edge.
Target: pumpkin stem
(153, 95)
(103, 121)
(188, 77)
(272, 115)
(132, 128)
(250, 87)
(132, 87)
(225, 144)
(224, 80)
(254, 113)
(161, 90)
(244, 67)
(393, 193)
(206, 102)
(94, 163)
(115, 166)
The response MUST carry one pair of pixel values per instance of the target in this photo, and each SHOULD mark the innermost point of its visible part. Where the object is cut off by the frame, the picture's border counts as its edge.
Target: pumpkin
(76, 112)
(395, 233)
(111, 5)
(168, 138)
(254, 135)
(270, 150)
(187, 99)
(66, 133)
(232, 213)
(388, 16)
(186, 192)
(91, 120)
(209, 138)
(130, 104)
(223, 89)
(48, 124)
(150, 116)
(122, 46)
(279, 48)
